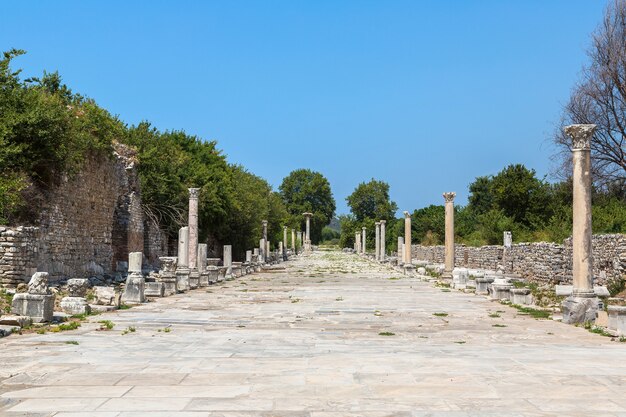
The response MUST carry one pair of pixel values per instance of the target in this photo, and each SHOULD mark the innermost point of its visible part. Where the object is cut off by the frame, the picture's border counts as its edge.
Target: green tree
(371, 201)
(304, 191)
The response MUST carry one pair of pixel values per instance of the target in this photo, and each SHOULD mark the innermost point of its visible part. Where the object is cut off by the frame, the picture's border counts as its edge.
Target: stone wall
(544, 262)
(86, 227)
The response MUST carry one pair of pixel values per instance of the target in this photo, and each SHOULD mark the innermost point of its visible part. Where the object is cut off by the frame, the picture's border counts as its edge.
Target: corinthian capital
(581, 135)
(194, 193)
(449, 197)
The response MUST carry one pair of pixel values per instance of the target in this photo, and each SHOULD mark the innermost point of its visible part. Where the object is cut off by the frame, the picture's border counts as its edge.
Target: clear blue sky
(425, 95)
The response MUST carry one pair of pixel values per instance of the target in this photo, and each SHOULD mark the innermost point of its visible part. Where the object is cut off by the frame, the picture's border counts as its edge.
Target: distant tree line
(513, 200)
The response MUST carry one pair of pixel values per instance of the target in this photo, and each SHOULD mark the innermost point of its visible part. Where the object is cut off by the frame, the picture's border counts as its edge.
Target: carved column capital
(449, 197)
(194, 193)
(581, 135)
(406, 214)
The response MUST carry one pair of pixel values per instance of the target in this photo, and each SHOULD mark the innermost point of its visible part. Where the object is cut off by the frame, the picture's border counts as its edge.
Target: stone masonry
(541, 261)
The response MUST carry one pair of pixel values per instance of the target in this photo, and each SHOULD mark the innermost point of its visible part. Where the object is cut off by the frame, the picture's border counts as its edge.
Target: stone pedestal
(617, 319)
(38, 307)
(182, 279)
(212, 272)
(482, 285)
(409, 269)
(154, 289)
(521, 296)
(134, 291)
(75, 302)
(194, 279)
(167, 275)
(460, 276)
(237, 269)
(580, 309)
(501, 291)
(221, 273)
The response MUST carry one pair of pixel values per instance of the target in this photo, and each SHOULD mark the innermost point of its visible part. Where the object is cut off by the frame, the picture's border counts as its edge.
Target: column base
(580, 310)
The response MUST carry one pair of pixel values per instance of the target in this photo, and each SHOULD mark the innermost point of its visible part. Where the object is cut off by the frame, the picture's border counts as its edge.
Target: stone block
(564, 290)
(75, 305)
(154, 289)
(578, 310)
(521, 296)
(601, 291)
(482, 285)
(617, 319)
(501, 291)
(204, 279)
(19, 321)
(182, 279)
(134, 291)
(107, 296)
(77, 287)
(39, 307)
(212, 272)
(194, 279)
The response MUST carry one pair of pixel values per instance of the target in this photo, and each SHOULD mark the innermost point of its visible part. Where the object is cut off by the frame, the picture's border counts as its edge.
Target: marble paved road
(332, 335)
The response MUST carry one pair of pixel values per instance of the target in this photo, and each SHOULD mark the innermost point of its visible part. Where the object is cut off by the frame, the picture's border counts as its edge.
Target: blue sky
(425, 95)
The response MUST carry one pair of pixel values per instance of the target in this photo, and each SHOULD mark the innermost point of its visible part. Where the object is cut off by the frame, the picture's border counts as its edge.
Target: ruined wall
(87, 225)
(541, 261)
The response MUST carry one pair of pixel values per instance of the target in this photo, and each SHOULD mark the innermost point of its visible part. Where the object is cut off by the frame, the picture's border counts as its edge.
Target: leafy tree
(600, 98)
(481, 197)
(304, 191)
(428, 222)
(371, 201)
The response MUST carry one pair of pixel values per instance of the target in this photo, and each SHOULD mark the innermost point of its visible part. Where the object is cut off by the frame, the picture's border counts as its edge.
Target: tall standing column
(449, 230)
(363, 241)
(582, 305)
(284, 241)
(182, 268)
(377, 241)
(400, 249)
(382, 255)
(193, 226)
(293, 240)
(228, 261)
(307, 236)
(407, 237)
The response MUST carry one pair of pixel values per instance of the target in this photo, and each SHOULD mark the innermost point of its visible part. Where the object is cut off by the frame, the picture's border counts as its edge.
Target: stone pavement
(310, 341)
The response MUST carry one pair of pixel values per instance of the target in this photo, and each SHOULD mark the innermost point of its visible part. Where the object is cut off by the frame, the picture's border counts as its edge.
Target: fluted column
(407, 237)
(449, 230)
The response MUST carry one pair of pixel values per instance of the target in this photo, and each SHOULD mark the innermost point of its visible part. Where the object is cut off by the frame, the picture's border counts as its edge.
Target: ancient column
(201, 264)
(382, 254)
(377, 241)
(262, 254)
(283, 251)
(264, 223)
(582, 305)
(400, 249)
(228, 261)
(293, 240)
(407, 237)
(449, 230)
(363, 241)
(193, 226)
(182, 269)
(307, 235)
(356, 242)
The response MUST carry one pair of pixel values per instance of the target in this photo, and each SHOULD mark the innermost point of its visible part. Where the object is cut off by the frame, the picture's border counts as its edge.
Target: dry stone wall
(87, 226)
(541, 261)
